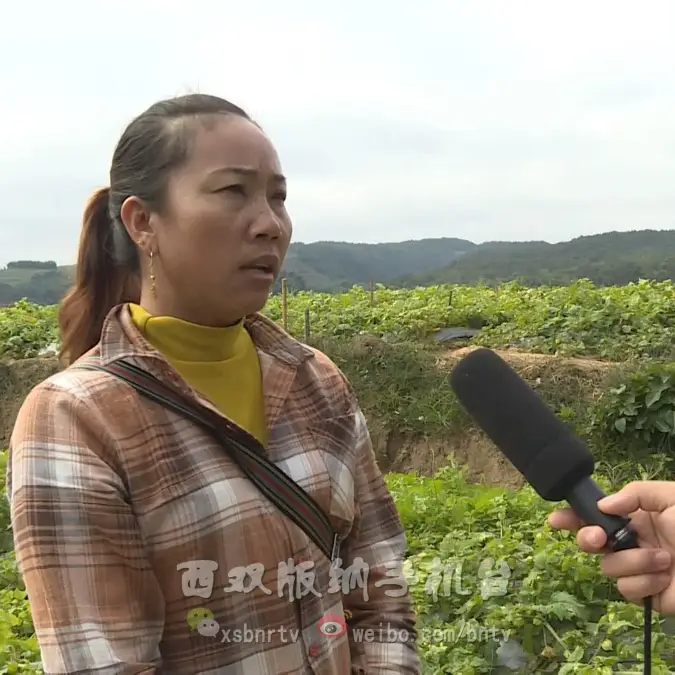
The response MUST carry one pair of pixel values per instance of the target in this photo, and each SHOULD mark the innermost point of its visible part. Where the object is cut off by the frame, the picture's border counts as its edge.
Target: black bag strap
(249, 454)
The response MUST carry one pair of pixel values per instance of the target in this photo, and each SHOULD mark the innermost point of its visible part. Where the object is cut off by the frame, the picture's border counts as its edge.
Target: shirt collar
(120, 338)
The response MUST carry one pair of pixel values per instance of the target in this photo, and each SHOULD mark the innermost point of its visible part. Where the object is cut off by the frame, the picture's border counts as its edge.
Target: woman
(145, 544)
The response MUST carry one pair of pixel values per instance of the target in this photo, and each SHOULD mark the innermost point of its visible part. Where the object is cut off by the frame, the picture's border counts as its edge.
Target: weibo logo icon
(333, 625)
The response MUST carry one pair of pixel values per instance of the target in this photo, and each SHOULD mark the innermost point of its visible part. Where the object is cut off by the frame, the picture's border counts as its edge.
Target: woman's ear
(136, 218)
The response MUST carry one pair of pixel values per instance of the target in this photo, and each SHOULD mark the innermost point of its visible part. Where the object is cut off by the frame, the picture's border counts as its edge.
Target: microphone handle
(584, 498)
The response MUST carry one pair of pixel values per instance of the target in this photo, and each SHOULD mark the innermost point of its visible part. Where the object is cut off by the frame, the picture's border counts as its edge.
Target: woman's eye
(280, 196)
(237, 189)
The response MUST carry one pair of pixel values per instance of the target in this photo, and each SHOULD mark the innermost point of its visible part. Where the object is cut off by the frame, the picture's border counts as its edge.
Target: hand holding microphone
(642, 572)
(637, 522)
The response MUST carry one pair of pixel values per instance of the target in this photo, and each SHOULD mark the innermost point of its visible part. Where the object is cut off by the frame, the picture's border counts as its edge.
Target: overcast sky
(509, 120)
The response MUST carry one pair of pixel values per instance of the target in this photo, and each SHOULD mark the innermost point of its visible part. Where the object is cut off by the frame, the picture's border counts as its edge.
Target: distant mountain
(335, 266)
(44, 286)
(613, 258)
(322, 266)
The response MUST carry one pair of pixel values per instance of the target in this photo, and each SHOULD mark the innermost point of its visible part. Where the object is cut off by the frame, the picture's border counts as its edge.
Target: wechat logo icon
(196, 616)
(208, 628)
(203, 622)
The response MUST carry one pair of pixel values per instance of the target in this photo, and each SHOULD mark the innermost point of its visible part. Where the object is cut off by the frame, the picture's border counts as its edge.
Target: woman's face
(219, 243)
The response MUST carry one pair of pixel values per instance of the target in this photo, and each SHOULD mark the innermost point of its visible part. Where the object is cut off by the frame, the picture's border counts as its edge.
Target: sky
(482, 119)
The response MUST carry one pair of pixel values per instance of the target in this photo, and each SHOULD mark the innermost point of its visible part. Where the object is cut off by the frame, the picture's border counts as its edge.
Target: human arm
(378, 543)
(96, 605)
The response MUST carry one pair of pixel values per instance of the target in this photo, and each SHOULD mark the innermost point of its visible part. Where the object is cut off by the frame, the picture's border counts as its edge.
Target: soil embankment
(565, 383)
(17, 378)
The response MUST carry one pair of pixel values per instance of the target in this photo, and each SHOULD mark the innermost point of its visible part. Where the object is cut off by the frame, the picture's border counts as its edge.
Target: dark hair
(151, 147)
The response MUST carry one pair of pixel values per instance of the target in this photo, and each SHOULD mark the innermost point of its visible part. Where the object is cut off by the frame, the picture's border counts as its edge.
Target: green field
(618, 323)
(482, 561)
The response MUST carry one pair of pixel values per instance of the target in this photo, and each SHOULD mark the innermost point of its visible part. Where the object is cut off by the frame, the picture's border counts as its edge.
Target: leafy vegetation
(383, 344)
(630, 322)
(19, 652)
(26, 329)
(493, 587)
(482, 563)
(483, 566)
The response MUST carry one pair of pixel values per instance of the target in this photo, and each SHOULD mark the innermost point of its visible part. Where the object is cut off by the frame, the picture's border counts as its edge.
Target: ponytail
(101, 282)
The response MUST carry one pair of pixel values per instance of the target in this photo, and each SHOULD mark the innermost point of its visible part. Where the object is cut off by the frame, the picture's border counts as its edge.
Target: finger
(592, 539)
(565, 519)
(646, 495)
(641, 586)
(636, 562)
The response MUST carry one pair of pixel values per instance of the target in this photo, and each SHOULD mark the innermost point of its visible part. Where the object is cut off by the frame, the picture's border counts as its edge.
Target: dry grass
(562, 382)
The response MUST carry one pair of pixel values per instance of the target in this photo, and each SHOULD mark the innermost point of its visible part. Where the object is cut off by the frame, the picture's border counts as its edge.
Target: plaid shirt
(134, 530)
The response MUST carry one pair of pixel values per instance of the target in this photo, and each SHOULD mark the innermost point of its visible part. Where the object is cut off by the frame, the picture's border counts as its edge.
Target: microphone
(555, 462)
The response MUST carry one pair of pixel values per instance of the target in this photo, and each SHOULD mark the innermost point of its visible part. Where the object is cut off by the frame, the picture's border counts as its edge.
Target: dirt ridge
(573, 378)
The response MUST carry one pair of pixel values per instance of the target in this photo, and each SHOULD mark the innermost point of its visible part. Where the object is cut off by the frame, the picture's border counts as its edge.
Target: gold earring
(153, 287)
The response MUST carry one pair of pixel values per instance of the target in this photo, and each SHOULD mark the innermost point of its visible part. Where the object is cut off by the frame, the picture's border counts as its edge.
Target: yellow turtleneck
(220, 363)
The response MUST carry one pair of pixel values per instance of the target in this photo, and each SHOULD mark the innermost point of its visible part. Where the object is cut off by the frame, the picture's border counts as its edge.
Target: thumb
(655, 496)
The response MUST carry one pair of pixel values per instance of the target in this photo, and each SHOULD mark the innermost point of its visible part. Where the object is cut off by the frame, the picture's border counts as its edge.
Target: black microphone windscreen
(519, 423)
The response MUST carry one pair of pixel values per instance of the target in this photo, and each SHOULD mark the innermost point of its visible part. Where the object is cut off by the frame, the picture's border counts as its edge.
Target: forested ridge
(612, 258)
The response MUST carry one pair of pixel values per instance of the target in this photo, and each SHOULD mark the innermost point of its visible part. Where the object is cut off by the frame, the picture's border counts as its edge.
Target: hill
(328, 267)
(609, 259)
(323, 266)
(613, 258)
(44, 286)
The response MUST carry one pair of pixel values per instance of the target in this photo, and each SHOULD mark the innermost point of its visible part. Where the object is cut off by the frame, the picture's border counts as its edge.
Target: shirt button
(313, 651)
